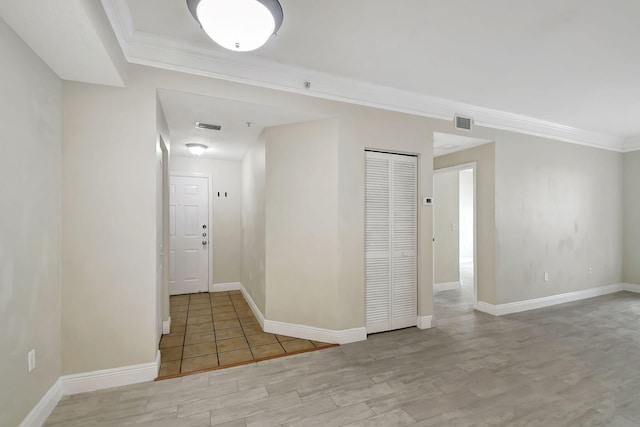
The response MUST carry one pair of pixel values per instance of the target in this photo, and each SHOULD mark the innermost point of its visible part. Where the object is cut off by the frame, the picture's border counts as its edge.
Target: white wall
(466, 215)
(225, 213)
(446, 216)
(631, 229)
(558, 210)
(253, 223)
(30, 290)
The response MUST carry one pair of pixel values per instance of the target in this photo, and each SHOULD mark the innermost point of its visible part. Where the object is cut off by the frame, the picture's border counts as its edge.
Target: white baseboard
(254, 308)
(44, 407)
(166, 327)
(532, 304)
(425, 322)
(303, 331)
(630, 287)
(223, 287)
(447, 286)
(108, 378)
(332, 336)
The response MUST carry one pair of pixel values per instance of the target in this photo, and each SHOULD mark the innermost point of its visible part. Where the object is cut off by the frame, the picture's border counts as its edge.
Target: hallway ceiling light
(240, 25)
(197, 149)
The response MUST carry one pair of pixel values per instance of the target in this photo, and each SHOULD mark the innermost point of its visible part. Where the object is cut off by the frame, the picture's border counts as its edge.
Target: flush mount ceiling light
(197, 149)
(240, 25)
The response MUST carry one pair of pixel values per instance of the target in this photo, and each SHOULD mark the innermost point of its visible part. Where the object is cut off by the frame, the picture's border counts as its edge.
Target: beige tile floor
(211, 330)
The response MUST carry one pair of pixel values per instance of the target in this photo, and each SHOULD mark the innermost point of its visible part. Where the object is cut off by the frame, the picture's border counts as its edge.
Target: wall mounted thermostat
(426, 201)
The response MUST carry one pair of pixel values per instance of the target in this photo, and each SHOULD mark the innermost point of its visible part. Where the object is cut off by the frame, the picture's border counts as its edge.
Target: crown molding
(162, 52)
(632, 144)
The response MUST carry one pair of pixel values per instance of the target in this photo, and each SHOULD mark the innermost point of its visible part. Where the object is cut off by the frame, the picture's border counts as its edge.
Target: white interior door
(188, 235)
(390, 241)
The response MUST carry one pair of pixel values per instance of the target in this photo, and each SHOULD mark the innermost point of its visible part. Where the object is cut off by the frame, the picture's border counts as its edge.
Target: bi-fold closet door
(391, 183)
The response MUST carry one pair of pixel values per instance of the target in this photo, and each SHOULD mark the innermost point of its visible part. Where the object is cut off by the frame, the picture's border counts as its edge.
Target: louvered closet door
(390, 241)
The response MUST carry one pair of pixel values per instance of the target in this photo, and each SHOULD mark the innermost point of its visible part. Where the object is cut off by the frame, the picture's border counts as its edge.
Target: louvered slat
(390, 241)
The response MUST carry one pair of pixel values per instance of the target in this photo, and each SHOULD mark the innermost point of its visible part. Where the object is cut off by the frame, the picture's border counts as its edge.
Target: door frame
(209, 178)
(474, 167)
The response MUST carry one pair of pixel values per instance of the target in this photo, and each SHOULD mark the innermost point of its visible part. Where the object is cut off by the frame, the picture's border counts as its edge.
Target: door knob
(204, 242)
(204, 234)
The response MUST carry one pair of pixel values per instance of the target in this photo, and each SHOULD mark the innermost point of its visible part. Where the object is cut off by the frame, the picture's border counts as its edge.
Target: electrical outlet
(31, 360)
(590, 270)
(546, 276)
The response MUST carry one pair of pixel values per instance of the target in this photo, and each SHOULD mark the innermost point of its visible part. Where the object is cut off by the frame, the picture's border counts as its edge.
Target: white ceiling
(445, 143)
(73, 37)
(560, 68)
(182, 110)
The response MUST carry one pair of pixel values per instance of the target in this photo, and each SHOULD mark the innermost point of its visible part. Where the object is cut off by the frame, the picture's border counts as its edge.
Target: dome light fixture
(197, 149)
(240, 25)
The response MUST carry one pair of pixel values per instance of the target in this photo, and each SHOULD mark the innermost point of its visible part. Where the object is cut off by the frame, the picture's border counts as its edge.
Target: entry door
(188, 235)
(390, 241)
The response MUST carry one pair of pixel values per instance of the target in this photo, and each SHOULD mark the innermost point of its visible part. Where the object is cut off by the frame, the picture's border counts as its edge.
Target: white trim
(108, 378)
(447, 286)
(223, 287)
(532, 304)
(44, 407)
(630, 287)
(344, 336)
(159, 51)
(425, 322)
(166, 327)
(485, 308)
(254, 308)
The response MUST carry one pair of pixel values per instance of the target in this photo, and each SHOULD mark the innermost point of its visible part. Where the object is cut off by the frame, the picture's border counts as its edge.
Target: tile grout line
(235, 310)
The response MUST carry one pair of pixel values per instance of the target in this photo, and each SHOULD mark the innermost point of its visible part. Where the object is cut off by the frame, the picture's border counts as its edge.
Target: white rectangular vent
(463, 123)
(201, 125)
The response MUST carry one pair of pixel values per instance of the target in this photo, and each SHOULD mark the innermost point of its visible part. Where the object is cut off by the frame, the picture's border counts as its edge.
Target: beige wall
(446, 215)
(30, 119)
(225, 213)
(253, 223)
(559, 210)
(631, 218)
(484, 156)
(109, 187)
(302, 223)
(109, 263)
(382, 130)
(163, 145)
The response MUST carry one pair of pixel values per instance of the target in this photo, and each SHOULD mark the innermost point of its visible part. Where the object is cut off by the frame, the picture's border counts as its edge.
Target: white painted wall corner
(447, 286)
(425, 322)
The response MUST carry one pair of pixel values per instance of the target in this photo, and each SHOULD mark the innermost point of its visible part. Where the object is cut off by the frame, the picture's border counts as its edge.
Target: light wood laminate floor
(577, 364)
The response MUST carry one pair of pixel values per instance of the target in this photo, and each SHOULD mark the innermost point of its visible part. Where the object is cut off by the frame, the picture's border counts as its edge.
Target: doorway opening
(454, 225)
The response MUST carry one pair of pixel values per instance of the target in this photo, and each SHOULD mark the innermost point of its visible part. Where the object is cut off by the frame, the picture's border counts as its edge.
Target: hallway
(218, 329)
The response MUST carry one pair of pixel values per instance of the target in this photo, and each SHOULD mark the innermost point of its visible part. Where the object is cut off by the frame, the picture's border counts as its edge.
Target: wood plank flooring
(577, 364)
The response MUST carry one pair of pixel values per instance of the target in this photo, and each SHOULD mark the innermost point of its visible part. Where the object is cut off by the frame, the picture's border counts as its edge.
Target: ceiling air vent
(463, 123)
(201, 125)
